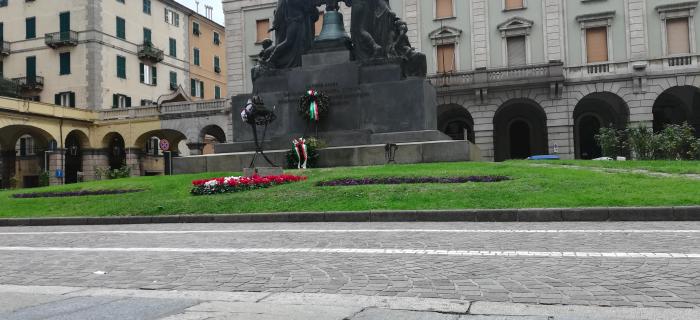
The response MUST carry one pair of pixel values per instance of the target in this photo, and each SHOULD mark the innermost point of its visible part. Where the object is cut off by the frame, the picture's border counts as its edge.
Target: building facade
(525, 77)
(207, 71)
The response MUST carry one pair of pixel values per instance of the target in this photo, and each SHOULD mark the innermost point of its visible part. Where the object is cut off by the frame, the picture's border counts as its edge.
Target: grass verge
(675, 167)
(530, 187)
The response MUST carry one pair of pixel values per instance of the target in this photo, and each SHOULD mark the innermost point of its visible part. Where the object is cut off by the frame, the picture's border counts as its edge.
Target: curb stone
(471, 215)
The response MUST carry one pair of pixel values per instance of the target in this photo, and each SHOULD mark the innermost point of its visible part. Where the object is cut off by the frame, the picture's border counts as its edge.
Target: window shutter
(678, 36)
(154, 76)
(263, 26)
(72, 99)
(443, 9)
(173, 78)
(173, 47)
(177, 19)
(128, 102)
(516, 51)
(201, 89)
(115, 101)
(217, 92)
(142, 76)
(166, 15)
(193, 88)
(446, 58)
(57, 99)
(597, 44)
(514, 4)
(31, 28)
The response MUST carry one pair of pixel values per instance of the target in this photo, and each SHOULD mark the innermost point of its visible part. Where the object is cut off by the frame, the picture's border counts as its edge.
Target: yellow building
(208, 56)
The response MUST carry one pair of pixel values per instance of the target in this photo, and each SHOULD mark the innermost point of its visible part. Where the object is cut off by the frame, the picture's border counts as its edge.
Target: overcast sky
(218, 10)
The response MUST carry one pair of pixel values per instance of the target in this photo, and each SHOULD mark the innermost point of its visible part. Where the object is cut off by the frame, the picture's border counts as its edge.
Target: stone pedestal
(56, 163)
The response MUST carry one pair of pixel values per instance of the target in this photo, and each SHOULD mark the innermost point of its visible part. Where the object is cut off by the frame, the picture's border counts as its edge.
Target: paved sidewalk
(33, 302)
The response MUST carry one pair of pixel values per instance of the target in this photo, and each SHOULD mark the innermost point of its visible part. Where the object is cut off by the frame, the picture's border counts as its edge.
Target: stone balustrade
(174, 108)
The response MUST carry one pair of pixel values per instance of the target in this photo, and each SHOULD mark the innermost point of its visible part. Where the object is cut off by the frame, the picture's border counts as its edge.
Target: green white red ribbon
(301, 152)
(313, 106)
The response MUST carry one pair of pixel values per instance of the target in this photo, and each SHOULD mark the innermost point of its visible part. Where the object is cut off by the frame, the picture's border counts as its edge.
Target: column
(133, 161)
(57, 160)
(636, 10)
(480, 33)
(553, 30)
(94, 159)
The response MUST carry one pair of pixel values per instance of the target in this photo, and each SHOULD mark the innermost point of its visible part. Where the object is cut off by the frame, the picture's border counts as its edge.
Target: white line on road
(344, 231)
(556, 254)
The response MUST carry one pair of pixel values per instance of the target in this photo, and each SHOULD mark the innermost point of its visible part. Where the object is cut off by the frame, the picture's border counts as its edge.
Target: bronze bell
(333, 27)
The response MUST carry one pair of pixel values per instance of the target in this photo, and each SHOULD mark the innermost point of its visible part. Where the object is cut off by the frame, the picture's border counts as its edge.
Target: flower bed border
(409, 180)
(81, 193)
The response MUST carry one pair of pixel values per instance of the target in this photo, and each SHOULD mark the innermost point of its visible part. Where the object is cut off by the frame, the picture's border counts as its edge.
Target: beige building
(207, 64)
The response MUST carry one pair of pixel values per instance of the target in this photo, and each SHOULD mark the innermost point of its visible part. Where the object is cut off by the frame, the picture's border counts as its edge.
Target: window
(444, 9)
(120, 101)
(147, 7)
(122, 1)
(446, 58)
(195, 29)
(677, 36)
(319, 24)
(31, 28)
(66, 99)
(64, 62)
(121, 28)
(217, 66)
(172, 17)
(146, 35)
(263, 27)
(197, 88)
(146, 102)
(121, 67)
(31, 69)
(217, 38)
(196, 56)
(25, 146)
(173, 47)
(217, 92)
(597, 44)
(514, 4)
(516, 48)
(153, 147)
(3, 3)
(148, 75)
(173, 80)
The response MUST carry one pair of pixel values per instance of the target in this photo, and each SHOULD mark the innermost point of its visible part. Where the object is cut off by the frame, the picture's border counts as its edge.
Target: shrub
(642, 142)
(609, 141)
(677, 142)
(14, 182)
(123, 172)
(44, 179)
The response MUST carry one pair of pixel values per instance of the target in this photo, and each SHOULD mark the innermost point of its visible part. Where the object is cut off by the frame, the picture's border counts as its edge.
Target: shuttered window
(678, 36)
(66, 99)
(319, 24)
(444, 9)
(173, 80)
(514, 4)
(121, 28)
(446, 58)
(196, 56)
(146, 35)
(64, 63)
(30, 28)
(173, 48)
(597, 44)
(148, 74)
(217, 92)
(516, 51)
(262, 29)
(121, 67)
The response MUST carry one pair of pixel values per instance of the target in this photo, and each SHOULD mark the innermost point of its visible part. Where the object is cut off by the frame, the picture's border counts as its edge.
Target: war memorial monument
(364, 94)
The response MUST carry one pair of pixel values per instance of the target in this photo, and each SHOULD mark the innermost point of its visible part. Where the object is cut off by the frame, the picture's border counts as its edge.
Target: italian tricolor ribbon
(301, 153)
(313, 106)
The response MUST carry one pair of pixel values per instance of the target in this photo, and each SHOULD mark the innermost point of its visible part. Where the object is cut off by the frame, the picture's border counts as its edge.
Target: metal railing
(148, 51)
(30, 83)
(61, 39)
(5, 50)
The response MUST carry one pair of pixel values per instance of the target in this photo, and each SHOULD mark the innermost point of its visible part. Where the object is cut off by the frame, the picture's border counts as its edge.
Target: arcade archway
(520, 130)
(595, 111)
(76, 142)
(676, 106)
(116, 150)
(456, 122)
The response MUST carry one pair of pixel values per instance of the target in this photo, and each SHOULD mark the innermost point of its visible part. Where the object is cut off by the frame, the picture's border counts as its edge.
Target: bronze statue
(294, 31)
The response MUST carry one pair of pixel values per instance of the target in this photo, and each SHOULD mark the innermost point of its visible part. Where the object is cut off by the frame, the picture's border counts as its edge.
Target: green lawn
(677, 167)
(534, 187)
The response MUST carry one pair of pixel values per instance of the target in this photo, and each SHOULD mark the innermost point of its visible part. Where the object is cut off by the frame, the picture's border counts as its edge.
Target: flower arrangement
(409, 180)
(239, 184)
(313, 105)
(312, 146)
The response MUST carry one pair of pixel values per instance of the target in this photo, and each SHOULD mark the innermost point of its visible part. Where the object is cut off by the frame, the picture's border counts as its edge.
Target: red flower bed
(238, 184)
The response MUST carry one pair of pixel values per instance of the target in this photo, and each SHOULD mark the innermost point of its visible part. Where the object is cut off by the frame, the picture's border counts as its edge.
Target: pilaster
(480, 33)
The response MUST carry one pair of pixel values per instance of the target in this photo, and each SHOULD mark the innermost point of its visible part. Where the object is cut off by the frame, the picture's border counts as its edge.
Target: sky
(218, 10)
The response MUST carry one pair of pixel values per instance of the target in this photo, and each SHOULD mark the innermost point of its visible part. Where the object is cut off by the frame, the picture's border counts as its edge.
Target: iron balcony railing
(30, 83)
(147, 51)
(5, 51)
(61, 39)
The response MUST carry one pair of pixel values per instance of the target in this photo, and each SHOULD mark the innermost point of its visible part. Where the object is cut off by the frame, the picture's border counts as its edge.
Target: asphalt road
(583, 264)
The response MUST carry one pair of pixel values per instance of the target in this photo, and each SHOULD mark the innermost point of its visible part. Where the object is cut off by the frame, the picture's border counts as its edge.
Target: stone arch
(24, 159)
(212, 135)
(75, 143)
(173, 136)
(115, 145)
(592, 112)
(456, 122)
(520, 130)
(677, 105)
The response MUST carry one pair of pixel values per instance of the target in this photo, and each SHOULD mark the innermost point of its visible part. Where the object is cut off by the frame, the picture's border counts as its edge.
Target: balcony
(500, 77)
(61, 39)
(149, 52)
(681, 61)
(25, 84)
(5, 50)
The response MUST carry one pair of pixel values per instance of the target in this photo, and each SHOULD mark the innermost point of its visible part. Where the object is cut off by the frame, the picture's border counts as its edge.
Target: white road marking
(556, 254)
(657, 231)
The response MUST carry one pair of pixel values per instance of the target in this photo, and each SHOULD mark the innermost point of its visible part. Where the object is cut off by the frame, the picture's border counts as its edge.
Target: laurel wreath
(322, 104)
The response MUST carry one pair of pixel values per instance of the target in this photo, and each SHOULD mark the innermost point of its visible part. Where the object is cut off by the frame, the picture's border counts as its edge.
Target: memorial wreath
(313, 105)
